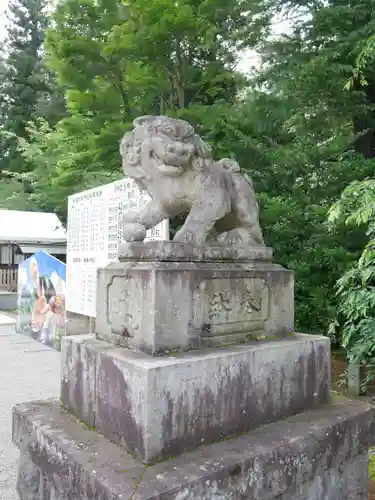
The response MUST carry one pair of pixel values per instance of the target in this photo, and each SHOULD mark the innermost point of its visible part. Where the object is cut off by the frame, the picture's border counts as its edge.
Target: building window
(18, 258)
(6, 254)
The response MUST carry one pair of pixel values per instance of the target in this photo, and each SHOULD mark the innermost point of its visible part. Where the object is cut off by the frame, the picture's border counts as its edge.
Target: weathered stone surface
(356, 375)
(172, 251)
(317, 455)
(349, 482)
(62, 460)
(161, 406)
(165, 157)
(30, 476)
(78, 364)
(158, 307)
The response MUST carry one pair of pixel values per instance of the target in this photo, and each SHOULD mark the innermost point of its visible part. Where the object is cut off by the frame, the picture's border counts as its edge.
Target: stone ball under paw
(133, 232)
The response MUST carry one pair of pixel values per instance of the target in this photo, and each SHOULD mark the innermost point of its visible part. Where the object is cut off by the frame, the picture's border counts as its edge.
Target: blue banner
(41, 298)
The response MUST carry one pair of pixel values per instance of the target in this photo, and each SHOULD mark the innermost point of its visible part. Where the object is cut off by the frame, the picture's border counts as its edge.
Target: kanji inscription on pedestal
(228, 309)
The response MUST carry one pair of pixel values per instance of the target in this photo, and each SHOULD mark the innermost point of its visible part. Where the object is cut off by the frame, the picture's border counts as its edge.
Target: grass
(371, 464)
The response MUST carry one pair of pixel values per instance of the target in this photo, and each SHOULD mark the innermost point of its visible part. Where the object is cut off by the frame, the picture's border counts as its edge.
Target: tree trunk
(365, 125)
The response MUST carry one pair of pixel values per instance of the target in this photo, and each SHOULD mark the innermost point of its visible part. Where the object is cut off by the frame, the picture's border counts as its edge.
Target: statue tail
(234, 169)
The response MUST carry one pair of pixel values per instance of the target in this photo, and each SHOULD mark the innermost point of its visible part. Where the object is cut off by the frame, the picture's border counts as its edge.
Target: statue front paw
(133, 231)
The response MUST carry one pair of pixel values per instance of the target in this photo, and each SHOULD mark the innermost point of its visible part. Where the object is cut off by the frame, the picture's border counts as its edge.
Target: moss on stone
(371, 464)
(85, 424)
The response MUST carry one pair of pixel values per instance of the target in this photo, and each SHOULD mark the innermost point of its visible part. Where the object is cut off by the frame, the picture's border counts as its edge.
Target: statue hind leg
(246, 230)
(202, 217)
(240, 237)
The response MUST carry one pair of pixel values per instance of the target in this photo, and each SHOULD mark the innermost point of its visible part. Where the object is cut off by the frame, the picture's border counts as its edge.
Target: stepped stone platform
(157, 406)
(318, 454)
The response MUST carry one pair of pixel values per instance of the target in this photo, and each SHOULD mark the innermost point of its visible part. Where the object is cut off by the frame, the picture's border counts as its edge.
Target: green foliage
(371, 465)
(13, 194)
(356, 288)
(97, 50)
(364, 63)
(122, 61)
(55, 158)
(324, 136)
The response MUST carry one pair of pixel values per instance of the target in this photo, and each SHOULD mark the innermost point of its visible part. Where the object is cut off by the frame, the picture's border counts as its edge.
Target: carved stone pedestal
(164, 296)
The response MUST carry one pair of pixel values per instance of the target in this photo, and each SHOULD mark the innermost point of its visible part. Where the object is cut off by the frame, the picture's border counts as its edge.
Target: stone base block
(158, 305)
(317, 455)
(161, 406)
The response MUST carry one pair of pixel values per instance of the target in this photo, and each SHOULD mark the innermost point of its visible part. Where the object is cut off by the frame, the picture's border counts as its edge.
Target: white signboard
(94, 229)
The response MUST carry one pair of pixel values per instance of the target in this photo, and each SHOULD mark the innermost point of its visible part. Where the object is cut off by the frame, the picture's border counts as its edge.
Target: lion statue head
(165, 145)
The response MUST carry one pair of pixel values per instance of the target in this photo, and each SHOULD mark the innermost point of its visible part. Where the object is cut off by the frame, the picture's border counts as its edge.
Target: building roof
(16, 227)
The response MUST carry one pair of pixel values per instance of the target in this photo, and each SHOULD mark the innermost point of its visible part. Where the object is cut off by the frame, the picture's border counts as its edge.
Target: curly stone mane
(184, 144)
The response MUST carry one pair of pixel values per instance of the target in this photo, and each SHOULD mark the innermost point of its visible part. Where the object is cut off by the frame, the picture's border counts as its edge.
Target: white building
(24, 233)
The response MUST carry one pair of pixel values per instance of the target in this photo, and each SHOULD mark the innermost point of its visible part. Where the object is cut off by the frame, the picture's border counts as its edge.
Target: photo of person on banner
(41, 301)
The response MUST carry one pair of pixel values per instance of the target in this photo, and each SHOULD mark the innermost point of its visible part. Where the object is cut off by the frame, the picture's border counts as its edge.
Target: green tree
(54, 157)
(118, 61)
(325, 138)
(355, 207)
(159, 55)
(356, 288)
(22, 80)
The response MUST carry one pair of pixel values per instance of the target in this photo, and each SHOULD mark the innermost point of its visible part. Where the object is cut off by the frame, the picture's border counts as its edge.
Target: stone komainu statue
(169, 160)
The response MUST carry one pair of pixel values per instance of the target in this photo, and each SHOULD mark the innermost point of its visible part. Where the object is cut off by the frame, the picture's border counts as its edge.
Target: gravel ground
(28, 370)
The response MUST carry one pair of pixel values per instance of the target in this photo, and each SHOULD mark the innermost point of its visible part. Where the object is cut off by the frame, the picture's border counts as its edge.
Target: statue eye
(168, 131)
